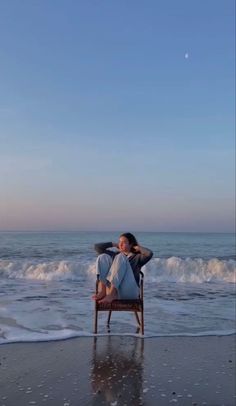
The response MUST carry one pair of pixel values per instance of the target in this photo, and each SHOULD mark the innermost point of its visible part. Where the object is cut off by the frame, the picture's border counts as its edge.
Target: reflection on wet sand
(117, 371)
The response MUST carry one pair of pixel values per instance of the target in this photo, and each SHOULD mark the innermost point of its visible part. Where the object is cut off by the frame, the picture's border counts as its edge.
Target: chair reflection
(117, 370)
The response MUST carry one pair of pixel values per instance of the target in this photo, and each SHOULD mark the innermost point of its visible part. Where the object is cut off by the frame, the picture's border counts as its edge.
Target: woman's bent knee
(103, 265)
(104, 258)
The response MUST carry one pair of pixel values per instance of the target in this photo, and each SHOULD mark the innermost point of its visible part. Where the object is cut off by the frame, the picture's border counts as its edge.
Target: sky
(117, 115)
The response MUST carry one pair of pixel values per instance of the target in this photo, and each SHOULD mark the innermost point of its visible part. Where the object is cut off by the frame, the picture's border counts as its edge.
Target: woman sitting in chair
(119, 271)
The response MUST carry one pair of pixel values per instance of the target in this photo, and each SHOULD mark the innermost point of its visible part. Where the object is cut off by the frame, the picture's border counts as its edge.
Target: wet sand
(119, 370)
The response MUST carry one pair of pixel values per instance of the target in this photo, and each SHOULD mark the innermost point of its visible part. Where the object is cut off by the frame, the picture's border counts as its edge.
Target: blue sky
(117, 115)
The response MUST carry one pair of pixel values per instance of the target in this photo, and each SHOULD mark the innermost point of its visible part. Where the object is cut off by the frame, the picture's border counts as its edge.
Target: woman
(119, 271)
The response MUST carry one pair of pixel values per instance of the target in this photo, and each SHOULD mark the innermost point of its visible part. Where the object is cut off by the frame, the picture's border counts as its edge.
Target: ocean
(47, 280)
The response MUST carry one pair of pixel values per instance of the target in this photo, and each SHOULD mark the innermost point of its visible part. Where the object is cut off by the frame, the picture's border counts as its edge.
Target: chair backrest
(141, 284)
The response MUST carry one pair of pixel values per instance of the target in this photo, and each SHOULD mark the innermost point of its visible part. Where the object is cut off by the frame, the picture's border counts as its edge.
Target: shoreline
(134, 335)
(118, 370)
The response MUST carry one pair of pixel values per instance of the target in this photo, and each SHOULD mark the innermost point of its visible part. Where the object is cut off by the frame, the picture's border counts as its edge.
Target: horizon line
(114, 231)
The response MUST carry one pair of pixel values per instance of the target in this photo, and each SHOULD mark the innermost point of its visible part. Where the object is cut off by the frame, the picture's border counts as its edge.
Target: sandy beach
(116, 370)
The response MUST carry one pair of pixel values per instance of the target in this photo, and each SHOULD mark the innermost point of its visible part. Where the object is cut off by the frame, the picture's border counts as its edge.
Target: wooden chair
(136, 305)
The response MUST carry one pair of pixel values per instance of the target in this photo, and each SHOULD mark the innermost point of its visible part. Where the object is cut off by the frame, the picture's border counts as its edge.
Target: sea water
(47, 280)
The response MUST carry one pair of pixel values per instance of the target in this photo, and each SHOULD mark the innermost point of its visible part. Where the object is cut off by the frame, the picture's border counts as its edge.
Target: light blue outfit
(118, 273)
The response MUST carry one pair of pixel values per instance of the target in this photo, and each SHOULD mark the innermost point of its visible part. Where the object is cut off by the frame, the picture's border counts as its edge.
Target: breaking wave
(190, 270)
(172, 269)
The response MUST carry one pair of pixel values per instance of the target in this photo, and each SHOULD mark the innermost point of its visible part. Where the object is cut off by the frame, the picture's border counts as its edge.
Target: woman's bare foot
(108, 298)
(99, 296)
(101, 291)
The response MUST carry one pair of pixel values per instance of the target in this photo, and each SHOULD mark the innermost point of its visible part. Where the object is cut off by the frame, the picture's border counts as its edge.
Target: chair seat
(119, 305)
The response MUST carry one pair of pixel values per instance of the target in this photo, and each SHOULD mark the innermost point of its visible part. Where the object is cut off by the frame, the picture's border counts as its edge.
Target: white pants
(119, 273)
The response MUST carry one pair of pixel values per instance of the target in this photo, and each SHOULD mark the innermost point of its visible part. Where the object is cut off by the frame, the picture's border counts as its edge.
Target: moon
(186, 55)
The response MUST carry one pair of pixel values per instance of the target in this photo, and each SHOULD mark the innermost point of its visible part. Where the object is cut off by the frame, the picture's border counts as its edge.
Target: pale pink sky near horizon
(33, 216)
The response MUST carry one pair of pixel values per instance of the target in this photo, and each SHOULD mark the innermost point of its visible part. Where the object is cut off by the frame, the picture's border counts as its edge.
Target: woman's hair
(131, 238)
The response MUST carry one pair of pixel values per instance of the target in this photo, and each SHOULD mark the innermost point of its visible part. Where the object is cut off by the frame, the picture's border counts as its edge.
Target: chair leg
(142, 322)
(96, 321)
(109, 317)
(137, 318)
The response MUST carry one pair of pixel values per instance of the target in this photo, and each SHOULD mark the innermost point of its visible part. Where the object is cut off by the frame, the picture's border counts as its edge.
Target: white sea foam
(171, 269)
(45, 271)
(190, 270)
